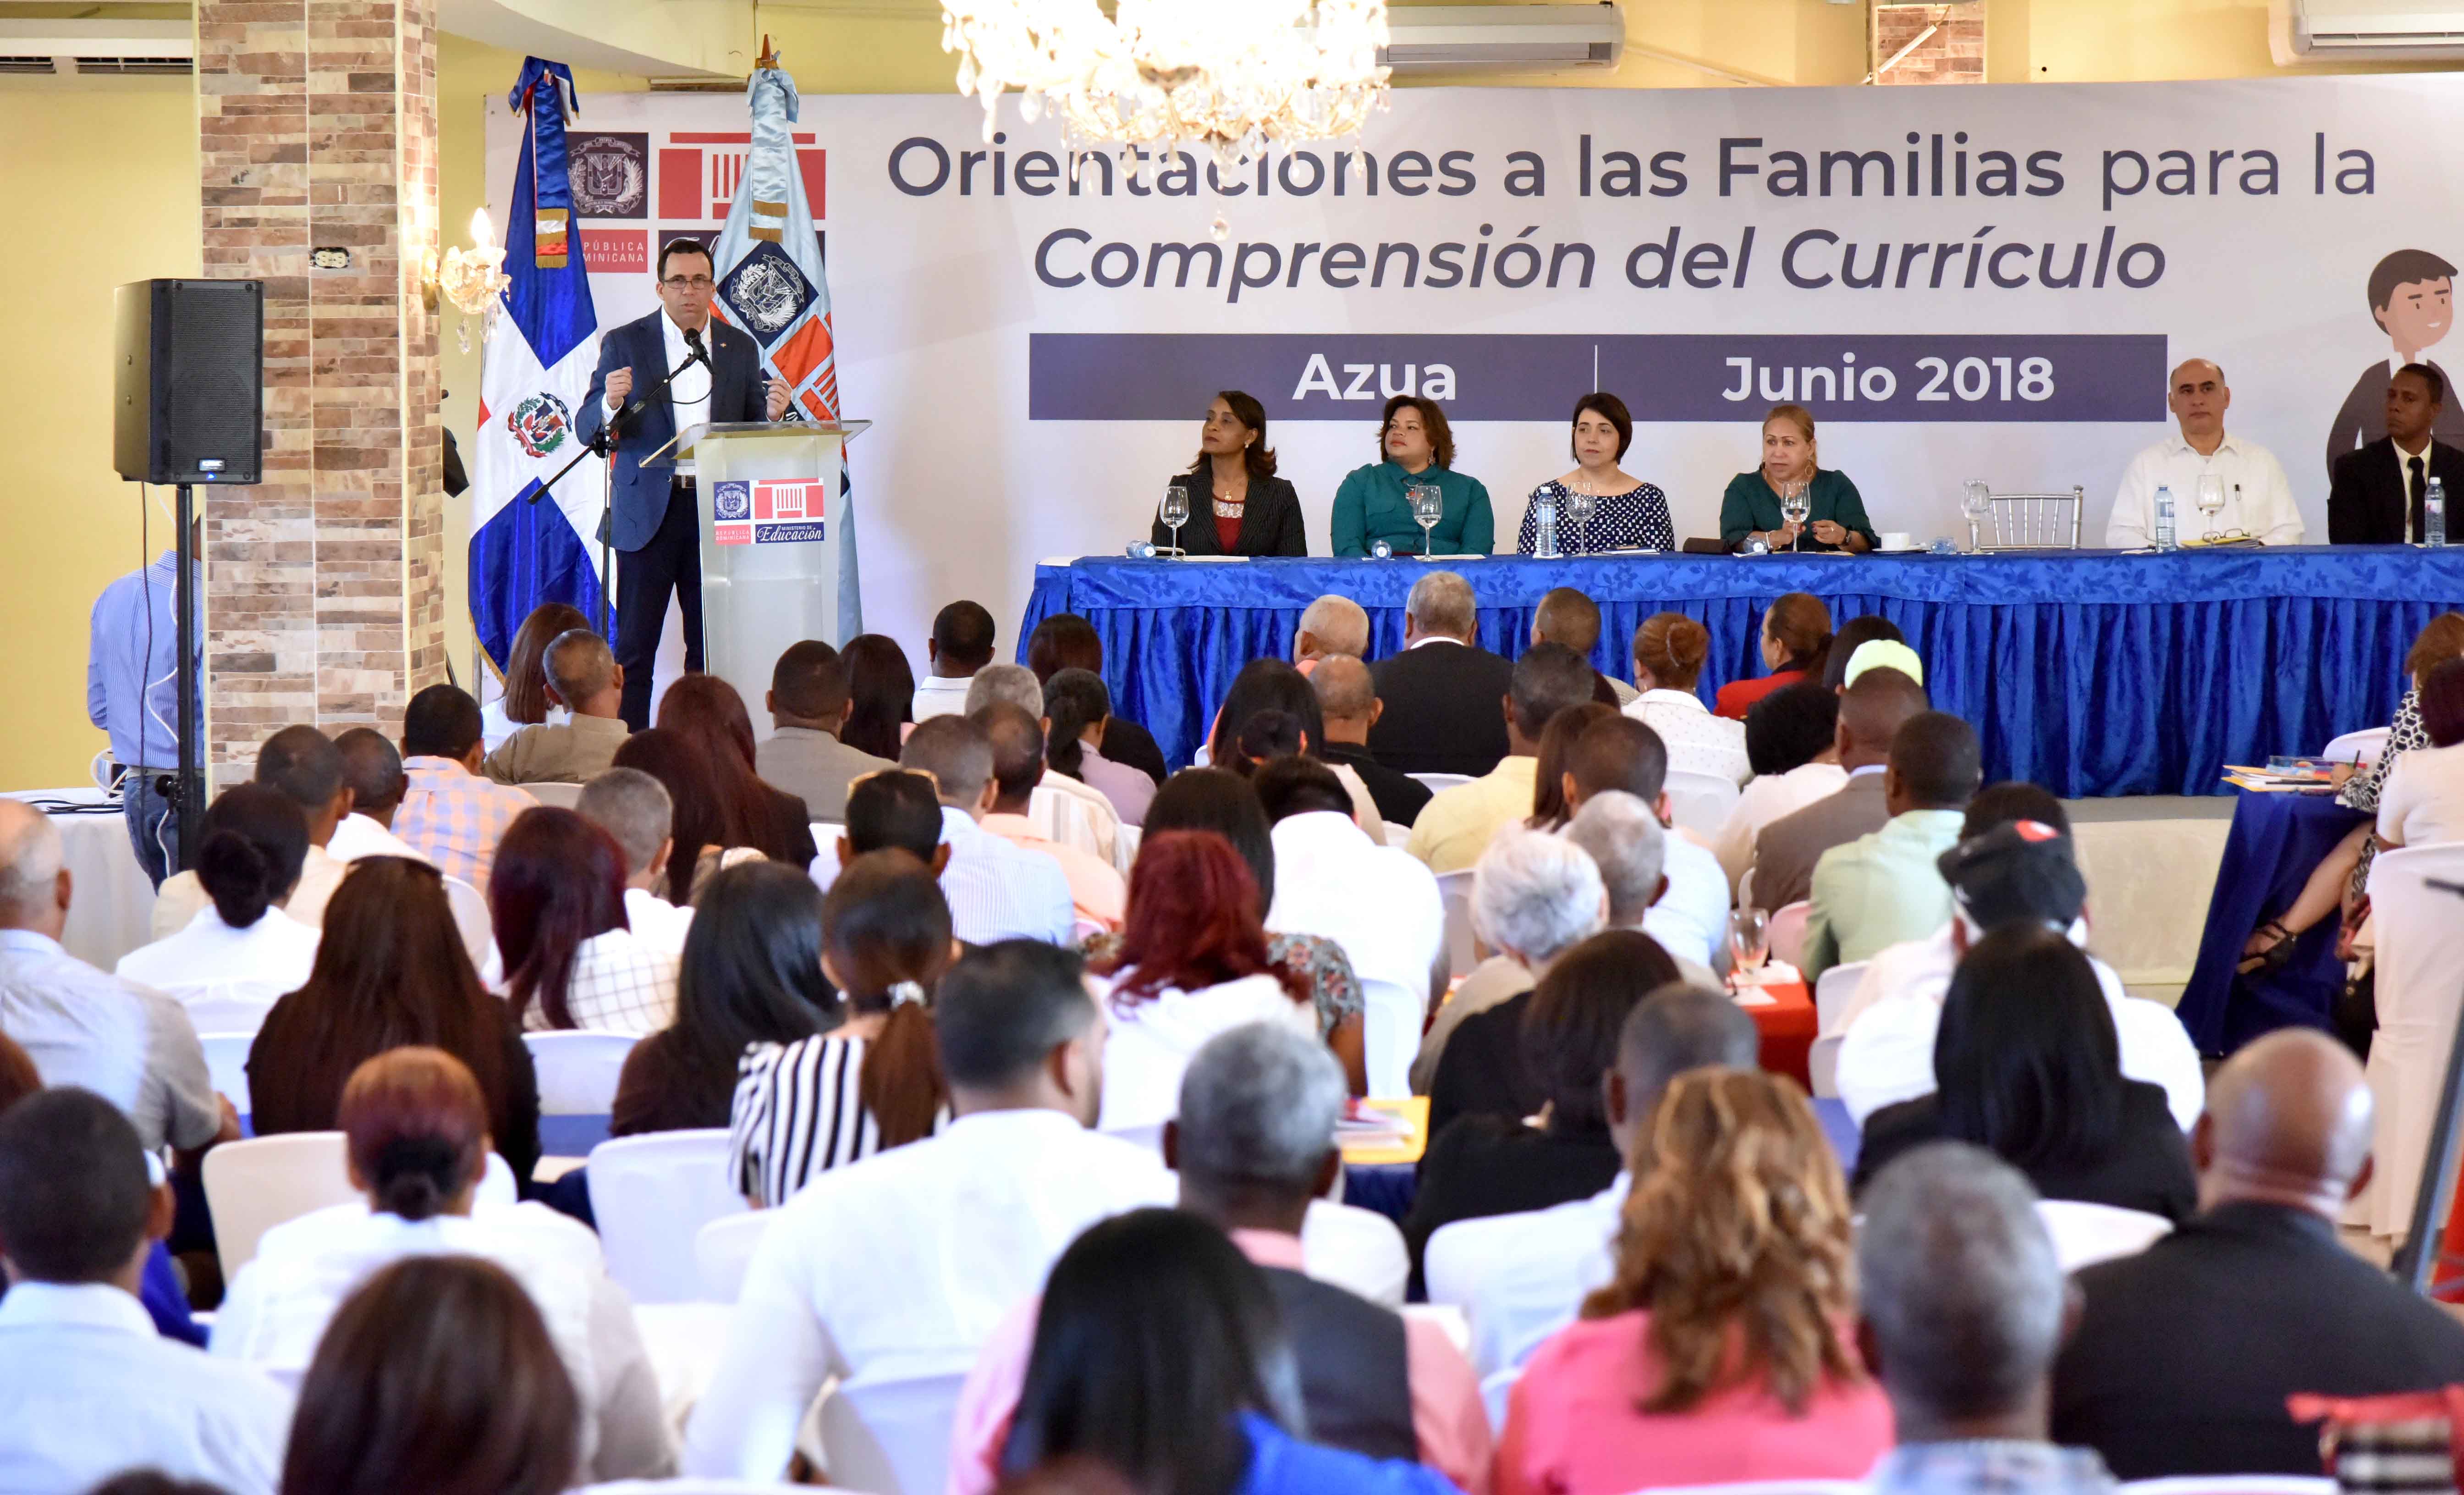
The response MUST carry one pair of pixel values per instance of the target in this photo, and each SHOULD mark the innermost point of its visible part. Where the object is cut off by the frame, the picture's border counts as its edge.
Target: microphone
(693, 341)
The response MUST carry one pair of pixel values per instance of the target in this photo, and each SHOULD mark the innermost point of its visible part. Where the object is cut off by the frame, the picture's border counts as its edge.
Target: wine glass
(1976, 501)
(1794, 505)
(1749, 940)
(2211, 499)
(1579, 506)
(1175, 510)
(1428, 507)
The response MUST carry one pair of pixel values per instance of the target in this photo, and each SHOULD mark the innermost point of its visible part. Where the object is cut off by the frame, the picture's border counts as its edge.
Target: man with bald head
(2259, 501)
(1347, 699)
(1331, 624)
(2186, 1352)
(1871, 713)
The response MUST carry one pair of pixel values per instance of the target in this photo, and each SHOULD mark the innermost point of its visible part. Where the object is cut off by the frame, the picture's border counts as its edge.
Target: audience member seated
(417, 1133)
(707, 714)
(1630, 846)
(241, 950)
(1097, 821)
(1566, 616)
(997, 888)
(1348, 703)
(634, 808)
(961, 644)
(1880, 654)
(2012, 864)
(525, 699)
(696, 833)
(1192, 962)
(2026, 1065)
(1559, 1039)
(1690, 917)
(2184, 1354)
(1163, 1353)
(1550, 808)
(1077, 707)
(901, 1265)
(1884, 887)
(556, 902)
(1533, 897)
(1379, 904)
(134, 1048)
(2422, 801)
(372, 771)
(437, 1374)
(1330, 625)
(1530, 1270)
(751, 974)
(881, 694)
(1795, 640)
(1096, 891)
(390, 971)
(1267, 686)
(1452, 833)
(804, 755)
(1722, 1348)
(1791, 747)
(1437, 692)
(896, 807)
(872, 1082)
(1871, 713)
(1962, 1306)
(1853, 635)
(87, 1387)
(307, 769)
(583, 678)
(450, 814)
(1066, 641)
(1668, 653)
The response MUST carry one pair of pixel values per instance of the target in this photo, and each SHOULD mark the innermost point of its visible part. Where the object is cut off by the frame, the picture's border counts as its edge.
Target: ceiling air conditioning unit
(95, 46)
(1426, 38)
(2343, 30)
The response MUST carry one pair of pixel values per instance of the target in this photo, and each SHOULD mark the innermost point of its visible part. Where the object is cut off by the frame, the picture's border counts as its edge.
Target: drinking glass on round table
(1428, 507)
(1976, 501)
(1175, 510)
(1748, 941)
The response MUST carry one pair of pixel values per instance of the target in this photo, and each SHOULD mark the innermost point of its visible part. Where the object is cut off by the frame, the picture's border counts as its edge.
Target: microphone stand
(2416, 1259)
(604, 445)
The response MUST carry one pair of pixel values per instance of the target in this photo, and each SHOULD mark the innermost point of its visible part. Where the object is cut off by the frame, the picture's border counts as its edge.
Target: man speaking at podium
(656, 525)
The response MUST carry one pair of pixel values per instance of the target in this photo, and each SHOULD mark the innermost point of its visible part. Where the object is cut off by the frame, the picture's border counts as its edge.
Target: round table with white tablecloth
(109, 900)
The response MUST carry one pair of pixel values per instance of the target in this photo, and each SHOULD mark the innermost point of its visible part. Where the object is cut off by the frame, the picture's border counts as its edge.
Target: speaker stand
(187, 793)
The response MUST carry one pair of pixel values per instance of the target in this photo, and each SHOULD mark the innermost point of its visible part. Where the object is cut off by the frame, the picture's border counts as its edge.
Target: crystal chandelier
(1232, 76)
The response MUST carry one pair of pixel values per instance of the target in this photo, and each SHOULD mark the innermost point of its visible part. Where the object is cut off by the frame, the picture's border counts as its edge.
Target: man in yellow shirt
(1452, 833)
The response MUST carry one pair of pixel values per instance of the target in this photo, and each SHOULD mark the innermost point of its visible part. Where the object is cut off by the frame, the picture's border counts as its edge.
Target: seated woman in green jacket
(1836, 517)
(1372, 504)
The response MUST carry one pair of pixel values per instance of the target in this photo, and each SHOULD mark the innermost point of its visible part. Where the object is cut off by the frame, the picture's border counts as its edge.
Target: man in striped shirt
(450, 814)
(997, 889)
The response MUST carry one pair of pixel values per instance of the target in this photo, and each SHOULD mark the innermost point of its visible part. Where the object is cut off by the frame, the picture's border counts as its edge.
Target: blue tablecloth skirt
(2275, 841)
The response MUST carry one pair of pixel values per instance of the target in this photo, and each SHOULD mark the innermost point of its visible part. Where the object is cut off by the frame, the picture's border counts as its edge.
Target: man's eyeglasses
(680, 284)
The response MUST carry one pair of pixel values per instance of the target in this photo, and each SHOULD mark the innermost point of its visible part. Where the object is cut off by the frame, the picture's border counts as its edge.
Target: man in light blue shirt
(1882, 888)
(88, 1388)
(132, 692)
(997, 888)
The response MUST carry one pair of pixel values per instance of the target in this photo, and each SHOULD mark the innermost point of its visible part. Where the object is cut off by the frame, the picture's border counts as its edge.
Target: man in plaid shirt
(449, 813)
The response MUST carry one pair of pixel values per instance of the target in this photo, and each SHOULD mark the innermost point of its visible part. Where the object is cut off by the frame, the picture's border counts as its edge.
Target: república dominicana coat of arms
(539, 424)
(610, 174)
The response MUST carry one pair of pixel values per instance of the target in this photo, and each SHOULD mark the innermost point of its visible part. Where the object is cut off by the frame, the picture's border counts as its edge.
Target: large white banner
(1961, 282)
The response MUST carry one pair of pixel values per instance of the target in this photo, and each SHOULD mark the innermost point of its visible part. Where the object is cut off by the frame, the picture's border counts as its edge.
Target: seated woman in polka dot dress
(1628, 513)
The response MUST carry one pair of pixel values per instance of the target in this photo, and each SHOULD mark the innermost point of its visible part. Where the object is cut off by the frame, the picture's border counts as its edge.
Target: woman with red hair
(1191, 963)
(570, 959)
(710, 716)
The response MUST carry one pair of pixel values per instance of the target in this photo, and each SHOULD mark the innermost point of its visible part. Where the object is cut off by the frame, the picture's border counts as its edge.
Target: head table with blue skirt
(2089, 673)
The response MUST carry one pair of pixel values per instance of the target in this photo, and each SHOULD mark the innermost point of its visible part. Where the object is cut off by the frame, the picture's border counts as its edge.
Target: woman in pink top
(1719, 1352)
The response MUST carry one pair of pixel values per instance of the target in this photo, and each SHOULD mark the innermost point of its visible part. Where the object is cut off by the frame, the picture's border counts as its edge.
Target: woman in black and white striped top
(876, 1081)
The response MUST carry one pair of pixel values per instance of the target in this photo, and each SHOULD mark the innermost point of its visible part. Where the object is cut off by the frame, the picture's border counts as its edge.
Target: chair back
(2085, 1233)
(1397, 835)
(1496, 1389)
(2367, 746)
(1699, 802)
(1786, 932)
(563, 796)
(469, 909)
(2035, 522)
(2420, 949)
(891, 1438)
(1440, 784)
(577, 1087)
(1391, 1027)
(1832, 990)
(1822, 1065)
(227, 1063)
(1454, 894)
(722, 1250)
(651, 1195)
(256, 1184)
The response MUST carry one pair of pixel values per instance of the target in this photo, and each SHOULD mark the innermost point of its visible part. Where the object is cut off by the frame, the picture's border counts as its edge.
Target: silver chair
(2035, 522)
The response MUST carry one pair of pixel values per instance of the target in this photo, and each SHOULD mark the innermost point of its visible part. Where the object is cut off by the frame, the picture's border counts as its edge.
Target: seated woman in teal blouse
(1418, 448)
(1836, 516)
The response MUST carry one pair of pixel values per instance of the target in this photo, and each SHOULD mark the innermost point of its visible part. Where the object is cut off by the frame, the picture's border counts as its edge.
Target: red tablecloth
(1788, 1027)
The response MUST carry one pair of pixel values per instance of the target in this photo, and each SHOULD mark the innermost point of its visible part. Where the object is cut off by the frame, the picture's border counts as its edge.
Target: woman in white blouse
(2423, 799)
(242, 952)
(1792, 745)
(569, 956)
(418, 1146)
(1668, 653)
(1191, 963)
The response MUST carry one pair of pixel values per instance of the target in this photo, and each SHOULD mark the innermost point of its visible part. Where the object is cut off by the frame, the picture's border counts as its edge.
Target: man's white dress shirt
(1691, 918)
(1769, 797)
(1380, 903)
(358, 835)
(1521, 1277)
(88, 1388)
(2257, 500)
(1697, 743)
(998, 889)
(899, 1268)
(690, 393)
(211, 962)
(1152, 1039)
(662, 925)
(941, 696)
(130, 1045)
(1886, 1054)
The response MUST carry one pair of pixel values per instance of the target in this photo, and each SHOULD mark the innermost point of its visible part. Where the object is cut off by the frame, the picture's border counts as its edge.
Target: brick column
(324, 586)
(1955, 54)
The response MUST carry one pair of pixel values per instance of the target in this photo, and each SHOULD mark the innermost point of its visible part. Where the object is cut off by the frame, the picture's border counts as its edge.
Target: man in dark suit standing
(656, 527)
(2185, 1353)
(2412, 300)
(1441, 692)
(2375, 498)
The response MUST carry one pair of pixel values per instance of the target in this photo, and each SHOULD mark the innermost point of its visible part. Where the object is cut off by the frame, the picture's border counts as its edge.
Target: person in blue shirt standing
(132, 692)
(1374, 503)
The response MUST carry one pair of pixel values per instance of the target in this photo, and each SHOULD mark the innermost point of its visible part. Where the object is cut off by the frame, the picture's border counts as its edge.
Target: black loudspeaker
(188, 382)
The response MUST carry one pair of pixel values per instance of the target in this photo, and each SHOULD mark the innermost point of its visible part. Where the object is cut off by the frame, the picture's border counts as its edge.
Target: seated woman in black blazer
(1237, 504)
(2029, 1069)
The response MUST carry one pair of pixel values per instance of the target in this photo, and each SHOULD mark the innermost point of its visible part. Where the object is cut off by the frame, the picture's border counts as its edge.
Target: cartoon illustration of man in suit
(2411, 299)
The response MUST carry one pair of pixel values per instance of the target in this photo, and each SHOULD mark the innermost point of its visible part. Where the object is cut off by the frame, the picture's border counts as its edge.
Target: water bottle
(1544, 527)
(2434, 513)
(2164, 517)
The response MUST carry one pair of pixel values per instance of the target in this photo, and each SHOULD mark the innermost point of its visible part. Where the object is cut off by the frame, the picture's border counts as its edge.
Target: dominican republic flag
(537, 373)
(768, 264)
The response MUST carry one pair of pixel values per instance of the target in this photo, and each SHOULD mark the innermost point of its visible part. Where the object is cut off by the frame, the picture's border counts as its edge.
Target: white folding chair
(1391, 1025)
(723, 1248)
(651, 1195)
(1785, 931)
(2367, 746)
(891, 1438)
(1398, 836)
(577, 1087)
(563, 796)
(825, 838)
(1496, 1389)
(1699, 802)
(2085, 1233)
(2420, 949)
(1822, 1065)
(1440, 784)
(1833, 990)
(253, 1186)
(469, 909)
(226, 1063)
(1454, 892)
